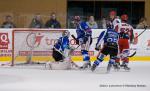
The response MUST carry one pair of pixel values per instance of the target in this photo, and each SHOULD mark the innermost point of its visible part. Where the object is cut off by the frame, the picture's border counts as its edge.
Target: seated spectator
(103, 23)
(8, 23)
(142, 23)
(71, 24)
(37, 22)
(52, 22)
(92, 23)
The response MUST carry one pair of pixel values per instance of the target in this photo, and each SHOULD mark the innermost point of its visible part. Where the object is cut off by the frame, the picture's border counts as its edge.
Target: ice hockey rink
(37, 78)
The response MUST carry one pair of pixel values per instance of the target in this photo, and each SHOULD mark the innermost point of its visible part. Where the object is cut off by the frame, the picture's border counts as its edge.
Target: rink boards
(141, 46)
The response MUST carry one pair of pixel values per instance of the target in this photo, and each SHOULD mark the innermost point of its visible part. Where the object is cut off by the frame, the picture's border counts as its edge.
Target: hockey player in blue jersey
(84, 38)
(109, 38)
(62, 54)
(60, 46)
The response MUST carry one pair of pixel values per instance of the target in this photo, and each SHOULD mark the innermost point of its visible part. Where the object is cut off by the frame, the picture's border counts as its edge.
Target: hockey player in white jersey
(113, 19)
(126, 36)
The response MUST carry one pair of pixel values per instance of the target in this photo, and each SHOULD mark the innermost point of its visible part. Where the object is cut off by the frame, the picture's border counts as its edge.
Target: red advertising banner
(4, 41)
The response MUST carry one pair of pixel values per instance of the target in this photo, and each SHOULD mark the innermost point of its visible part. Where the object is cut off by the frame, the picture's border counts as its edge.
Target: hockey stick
(77, 41)
(137, 37)
(132, 54)
(142, 32)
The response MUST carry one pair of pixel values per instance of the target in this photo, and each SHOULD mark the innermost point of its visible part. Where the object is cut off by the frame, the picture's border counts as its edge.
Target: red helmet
(77, 18)
(112, 12)
(124, 17)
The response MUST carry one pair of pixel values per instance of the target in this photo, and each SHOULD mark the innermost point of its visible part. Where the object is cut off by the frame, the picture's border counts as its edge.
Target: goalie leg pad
(65, 65)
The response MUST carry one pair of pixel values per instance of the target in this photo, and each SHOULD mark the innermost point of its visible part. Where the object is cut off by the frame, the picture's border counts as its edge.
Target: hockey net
(33, 46)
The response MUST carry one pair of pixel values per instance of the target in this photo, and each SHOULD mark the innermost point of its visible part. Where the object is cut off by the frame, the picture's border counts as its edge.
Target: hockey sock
(126, 60)
(85, 55)
(124, 63)
(111, 61)
(100, 58)
(117, 60)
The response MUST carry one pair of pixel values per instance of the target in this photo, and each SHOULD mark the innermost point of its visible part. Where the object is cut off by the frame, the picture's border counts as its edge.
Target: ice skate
(117, 66)
(109, 68)
(87, 64)
(125, 66)
(93, 67)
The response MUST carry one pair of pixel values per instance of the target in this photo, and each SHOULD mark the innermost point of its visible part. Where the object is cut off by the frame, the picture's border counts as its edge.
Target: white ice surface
(38, 79)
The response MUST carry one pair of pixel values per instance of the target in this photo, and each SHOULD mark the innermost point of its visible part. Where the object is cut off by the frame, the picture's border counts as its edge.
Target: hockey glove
(97, 49)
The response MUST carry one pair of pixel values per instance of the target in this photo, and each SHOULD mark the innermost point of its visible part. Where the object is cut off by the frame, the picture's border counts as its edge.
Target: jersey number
(125, 30)
(112, 40)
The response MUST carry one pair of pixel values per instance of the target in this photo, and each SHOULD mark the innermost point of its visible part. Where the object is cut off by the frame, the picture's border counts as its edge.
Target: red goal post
(33, 45)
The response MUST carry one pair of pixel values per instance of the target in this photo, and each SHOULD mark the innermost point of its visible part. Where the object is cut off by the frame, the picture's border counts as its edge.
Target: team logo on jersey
(4, 40)
(33, 40)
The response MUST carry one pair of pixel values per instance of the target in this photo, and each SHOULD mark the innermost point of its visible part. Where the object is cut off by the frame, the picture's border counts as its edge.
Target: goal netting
(33, 46)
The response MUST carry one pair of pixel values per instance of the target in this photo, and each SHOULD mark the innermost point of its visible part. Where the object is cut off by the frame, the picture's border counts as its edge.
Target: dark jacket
(52, 24)
(36, 24)
(8, 25)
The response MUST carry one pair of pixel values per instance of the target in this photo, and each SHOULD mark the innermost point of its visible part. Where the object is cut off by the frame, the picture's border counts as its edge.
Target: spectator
(142, 23)
(52, 22)
(92, 23)
(37, 22)
(8, 23)
(71, 23)
(103, 22)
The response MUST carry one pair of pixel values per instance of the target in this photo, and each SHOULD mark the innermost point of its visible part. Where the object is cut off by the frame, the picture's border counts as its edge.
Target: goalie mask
(66, 33)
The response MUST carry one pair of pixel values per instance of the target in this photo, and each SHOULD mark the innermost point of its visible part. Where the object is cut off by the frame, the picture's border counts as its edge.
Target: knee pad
(86, 56)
